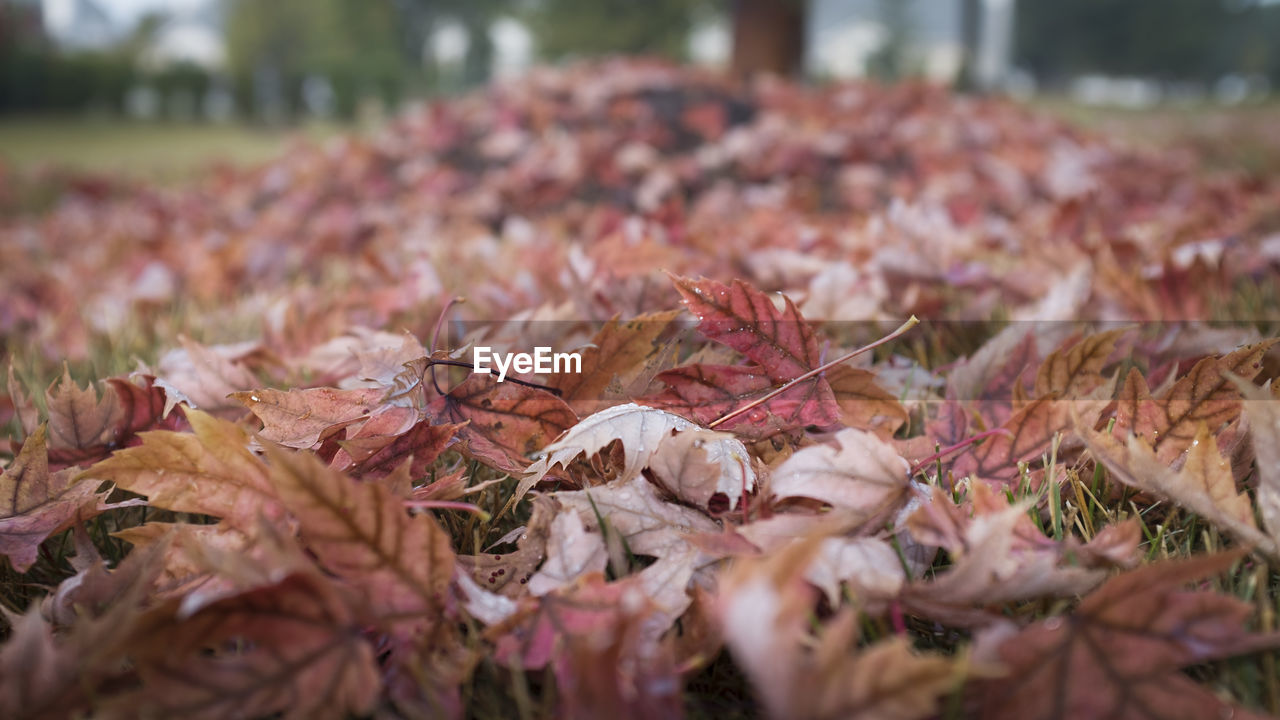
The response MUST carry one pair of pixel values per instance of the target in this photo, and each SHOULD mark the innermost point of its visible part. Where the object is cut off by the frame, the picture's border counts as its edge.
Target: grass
(1245, 138)
(162, 152)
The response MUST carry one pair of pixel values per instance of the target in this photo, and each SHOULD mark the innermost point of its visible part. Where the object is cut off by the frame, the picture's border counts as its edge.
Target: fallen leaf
(1118, 654)
(863, 403)
(865, 474)
(79, 419)
(620, 356)
(650, 525)
(696, 464)
(1205, 395)
(705, 393)
(781, 342)
(360, 532)
(1204, 484)
(505, 421)
(1262, 408)
(298, 418)
(421, 446)
(209, 471)
(35, 503)
(572, 552)
(301, 653)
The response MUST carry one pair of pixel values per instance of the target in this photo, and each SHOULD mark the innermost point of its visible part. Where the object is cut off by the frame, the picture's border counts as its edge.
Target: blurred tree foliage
(35, 78)
(1162, 39)
(567, 28)
(272, 47)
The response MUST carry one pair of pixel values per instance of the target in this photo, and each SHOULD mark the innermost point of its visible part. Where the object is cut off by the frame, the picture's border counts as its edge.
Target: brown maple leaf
(401, 563)
(301, 418)
(1205, 395)
(505, 422)
(620, 361)
(1118, 654)
(36, 503)
(210, 470)
(293, 646)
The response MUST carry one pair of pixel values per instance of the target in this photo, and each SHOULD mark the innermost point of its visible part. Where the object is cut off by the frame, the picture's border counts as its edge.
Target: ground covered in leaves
(768, 489)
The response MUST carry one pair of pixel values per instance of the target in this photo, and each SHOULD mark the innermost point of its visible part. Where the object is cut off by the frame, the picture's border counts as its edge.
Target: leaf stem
(910, 323)
(435, 337)
(448, 505)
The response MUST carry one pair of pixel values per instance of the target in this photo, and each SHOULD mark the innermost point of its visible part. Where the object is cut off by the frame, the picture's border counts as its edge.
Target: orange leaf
(210, 471)
(362, 533)
(1075, 371)
(621, 359)
(299, 418)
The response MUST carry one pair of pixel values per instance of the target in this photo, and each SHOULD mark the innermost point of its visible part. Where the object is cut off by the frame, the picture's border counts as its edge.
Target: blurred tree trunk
(970, 45)
(768, 36)
(478, 63)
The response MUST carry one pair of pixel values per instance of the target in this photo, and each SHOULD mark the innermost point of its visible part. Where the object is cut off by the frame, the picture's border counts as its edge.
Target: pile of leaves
(744, 501)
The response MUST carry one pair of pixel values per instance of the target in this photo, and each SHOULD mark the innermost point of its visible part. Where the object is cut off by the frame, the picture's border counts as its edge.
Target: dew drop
(254, 398)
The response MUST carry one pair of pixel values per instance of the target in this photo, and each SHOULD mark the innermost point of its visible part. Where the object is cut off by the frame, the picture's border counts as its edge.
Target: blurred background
(162, 87)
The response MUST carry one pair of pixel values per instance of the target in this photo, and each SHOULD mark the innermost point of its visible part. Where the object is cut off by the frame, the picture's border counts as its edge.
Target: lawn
(154, 151)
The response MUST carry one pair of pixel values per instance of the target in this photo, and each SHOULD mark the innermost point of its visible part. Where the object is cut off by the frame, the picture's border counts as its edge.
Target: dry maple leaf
(36, 503)
(386, 425)
(48, 675)
(650, 525)
(300, 418)
(510, 574)
(765, 610)
(1203, 484)
(1076, 371)
(301, 652)
(420, 447)
(868, 567)
(781, 342)
(505, 421)
(79, 419)
(622, 358)
(708, 392)
(203, 376)
(865, 474)
(1205, 395)
(1118, 654)
(572, 552)
(209, 471)
(1262, 408)
(361, 533)
(1027, 437)
(696, 464)
(863, 403)
(993, 566)
(642, 432)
